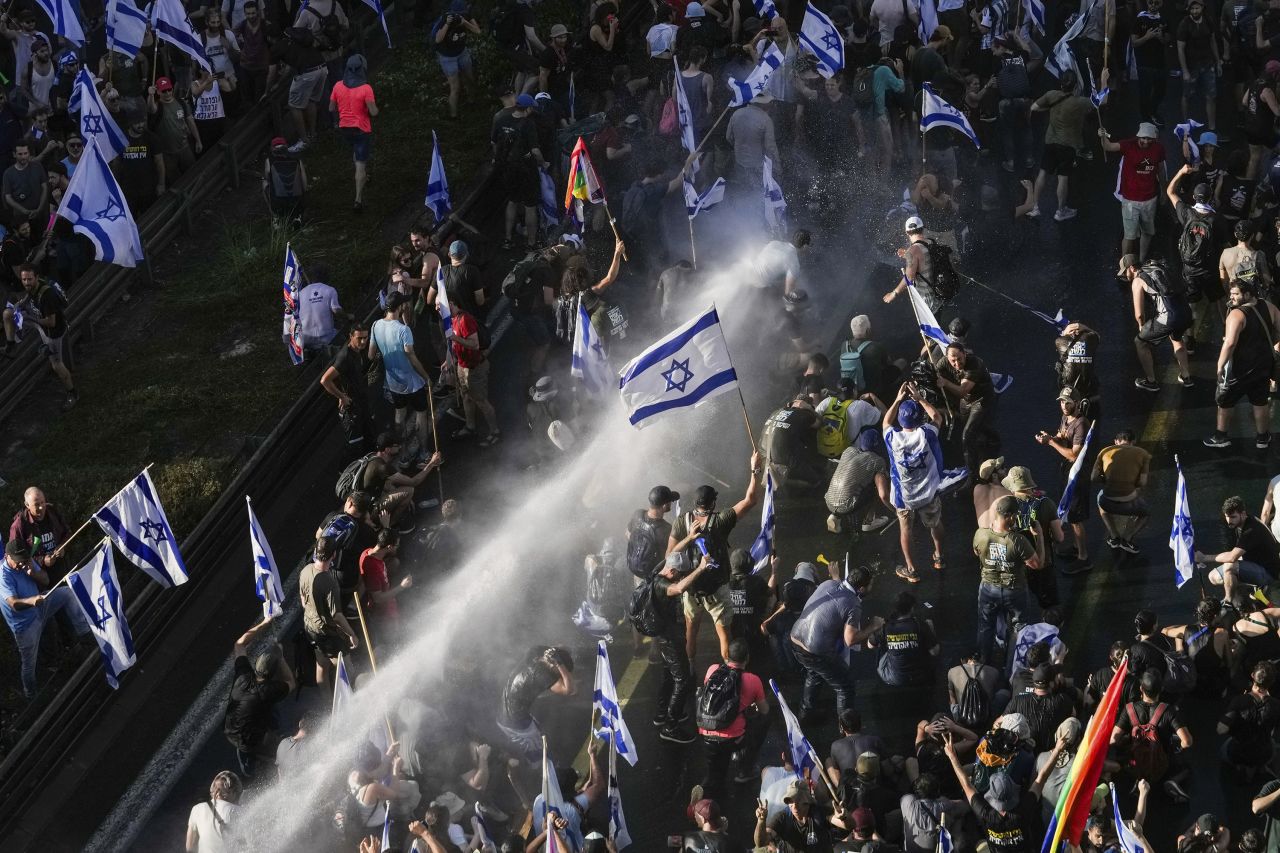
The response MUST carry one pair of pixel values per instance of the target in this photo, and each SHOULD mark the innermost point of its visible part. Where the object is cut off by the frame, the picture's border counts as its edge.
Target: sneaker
(508, 244)
(1127, 546)
(1176, 792)
(1158, 122)
(675, 735)
(1033, 212)
(1075, 568)
(1146, 384)
(71, 400)
(833, 524)
(1113, 543)
(1186, 381)
(1263, 441)
(744, 776)
(298, 147)
(695, 794)
(1085, 154)
(1064, 213)
(1217, 439)
(875, 524)
(491, 813)
(8, 348)
(358, 207)
(661, 720)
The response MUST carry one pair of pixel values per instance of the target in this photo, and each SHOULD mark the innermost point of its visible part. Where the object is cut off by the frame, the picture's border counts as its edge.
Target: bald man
(40, 527)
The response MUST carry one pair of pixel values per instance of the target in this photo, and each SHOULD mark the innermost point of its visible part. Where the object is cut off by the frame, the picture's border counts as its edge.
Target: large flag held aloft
(687, 367)
(95, 121)
(762, 547)
(95, 206)
(97, 590)
(819, 36)
(1182, 538)
(438, 184)
(126, 27)
(136, 523)
(589, 364)
(266, 577)
(170, 22)
(65, 21)
(584, 184)
(744, 90)
(936, 112)
(604, 701)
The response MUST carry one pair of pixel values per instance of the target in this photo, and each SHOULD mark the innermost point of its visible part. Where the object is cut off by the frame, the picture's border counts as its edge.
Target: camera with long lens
(925, 380)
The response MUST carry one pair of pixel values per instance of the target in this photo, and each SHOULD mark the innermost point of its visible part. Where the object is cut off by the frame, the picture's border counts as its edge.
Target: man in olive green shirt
(1063, 138)
(1005, 554)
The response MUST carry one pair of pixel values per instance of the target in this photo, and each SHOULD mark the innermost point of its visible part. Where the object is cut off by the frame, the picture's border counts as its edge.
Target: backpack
(1195, 246)
(1180, 677)
(832, 435)
(719, 698)
(1155, 274)
(971, 711)
(351, 476)
(644, 552)
(669, 124)
(862, 91)
(60, 295)
(851, 364)
(330, 29)
(519, 285)
(717, 549)
(286, 176)
(641, 611)
(635, 207)
(1147, 758)
(946, 281)
(506, 28)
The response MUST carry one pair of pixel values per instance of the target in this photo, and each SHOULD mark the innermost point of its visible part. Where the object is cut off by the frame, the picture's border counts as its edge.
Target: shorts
(1153, 333)
(1262, 138)
(1246, 571)
(1078, 509)
(930, 514)
(1201, 285)
(719, 604)
(1058, 159)
(523, 185)
(1136, 508)
(1257, 390)
(51, 347)
(360, 142)
(451, 65)
(307, 87)
(416, 400)
(1138, 216)
(330, 643)
(1204, 83)
(473, 382)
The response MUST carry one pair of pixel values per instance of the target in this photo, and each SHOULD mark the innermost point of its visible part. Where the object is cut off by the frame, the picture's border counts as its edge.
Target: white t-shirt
(219, 57)
(316, 304)
(210, 833)
(888, 14)
(775, 262)
(857, 417)
(915, 468)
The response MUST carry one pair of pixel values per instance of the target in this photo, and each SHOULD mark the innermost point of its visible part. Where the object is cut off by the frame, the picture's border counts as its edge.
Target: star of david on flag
(136, 523)
(96, 590)
(819, 36)
(686, 368)
(95, 121)
(95, 206)
(1182, 537)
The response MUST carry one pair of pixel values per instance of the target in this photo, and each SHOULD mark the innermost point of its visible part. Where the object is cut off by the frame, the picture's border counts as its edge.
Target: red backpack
(1147, 757)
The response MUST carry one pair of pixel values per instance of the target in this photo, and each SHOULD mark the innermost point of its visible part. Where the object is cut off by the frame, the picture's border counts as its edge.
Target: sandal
(938, 562)
(907, 575)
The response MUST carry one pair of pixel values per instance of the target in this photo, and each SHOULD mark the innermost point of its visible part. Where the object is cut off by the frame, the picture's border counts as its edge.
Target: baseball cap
(694, 10)
(660, 495)
(164, 84)
(864, 820)
(868, 765)
(989, 467)
(525, 100)
(740, 561)
(705, 497)
(707, 811)
(1147, 130)
(1208, 823)
(797, 792)
(1069, 394)
(1042, 675)
(910, 415)
(1129, 260)
(542, 96)
(1018, 479)
(1211, 138)
(17, 549)
(458, 249)
(914, 223)
(559, 30)
(1015, 722)
(572, 239)
(265, 663)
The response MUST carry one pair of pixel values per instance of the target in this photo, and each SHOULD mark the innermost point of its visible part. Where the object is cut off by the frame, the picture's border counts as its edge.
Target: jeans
(1152, 83)
(998, 605)
(28, 640)
(831, 669)
(676, 677)
(1015, 129)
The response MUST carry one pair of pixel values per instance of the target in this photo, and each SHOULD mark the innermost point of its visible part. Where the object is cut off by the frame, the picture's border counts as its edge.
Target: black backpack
(330, 29)
(506, 28)
(523, 285)
(644, 552)
(1195, 246)
(862, 90)
(642, 612)
(971, 711)
(718, 699)
(352, 476)
(1173, 300)
(717, 549)
(945, 281)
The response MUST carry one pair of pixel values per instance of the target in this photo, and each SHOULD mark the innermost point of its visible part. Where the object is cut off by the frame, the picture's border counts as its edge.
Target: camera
(922, 373)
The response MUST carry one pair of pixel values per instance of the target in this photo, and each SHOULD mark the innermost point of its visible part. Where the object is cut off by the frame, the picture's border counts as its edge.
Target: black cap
(660, 495)
(705, 497)
(1200, 193)
(17, 549)
(1042, 675)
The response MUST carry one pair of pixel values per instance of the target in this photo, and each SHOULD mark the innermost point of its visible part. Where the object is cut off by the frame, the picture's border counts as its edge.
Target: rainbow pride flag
(1077, 794)
(584, 184)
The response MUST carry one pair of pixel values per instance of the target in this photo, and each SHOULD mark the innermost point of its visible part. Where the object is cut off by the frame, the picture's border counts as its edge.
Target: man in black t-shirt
(669, 585)
(347, 381)
(966, 381)
(1249, 551)
(517, 156)
(1150, 41)
(544, 669)
(1250, 722)
(1168, 729)
(554, 71)
(1010, 821)
(140, 166)
(44, 306)
(349, 533)
(790, 445)
(256, 688)
(750, 596)
(908, 646)
(462, 282)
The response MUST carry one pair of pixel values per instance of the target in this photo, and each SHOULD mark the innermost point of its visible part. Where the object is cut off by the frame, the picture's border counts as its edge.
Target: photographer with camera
(449, 36)
(915, 470)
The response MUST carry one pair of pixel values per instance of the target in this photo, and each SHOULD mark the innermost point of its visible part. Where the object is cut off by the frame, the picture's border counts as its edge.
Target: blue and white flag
(685, 115)
(617, 820)
(343, 694)
(65, 21)
(929, 325)
(928, 20)
(1131, 58)
(604, 700)
(553, 804)
(945, 844)
(96, 208)
(819, 36)
(170, 22)
(442, 302)
(743, 91)
(1061, 58)
(97, 591)
(292, 329)
(762, 548)
(802, 755)
(1129, 842)
(548, 206)
(386, 813)
(686, 368)
(376, 6)
(1001, 381)
(1058, 321)
(1183, 132)
(136, 523)
(935, 112)
(1182, 538)
(695, 203)
(95, 121)
(1073, 476)
(589, 364)
(438, 184)
(266, 577)
(765, 10)
(1035, 13)
(126, 27)
(775, 206)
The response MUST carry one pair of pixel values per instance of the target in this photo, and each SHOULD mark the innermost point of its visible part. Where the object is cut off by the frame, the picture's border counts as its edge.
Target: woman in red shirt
(375, 580)
(353, 104)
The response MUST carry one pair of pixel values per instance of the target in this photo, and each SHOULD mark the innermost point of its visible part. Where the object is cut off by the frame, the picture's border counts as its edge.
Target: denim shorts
(359, 142)
(451, 65)
(1204, 82)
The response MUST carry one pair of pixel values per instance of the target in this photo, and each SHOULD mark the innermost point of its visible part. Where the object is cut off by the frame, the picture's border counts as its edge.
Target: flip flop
(907, 575)
(938, 562)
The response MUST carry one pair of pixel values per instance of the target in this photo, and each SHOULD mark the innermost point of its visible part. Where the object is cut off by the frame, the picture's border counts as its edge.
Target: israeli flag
(802, 754)
(1073, 476)
(438, 184)
(604, 700)
(617, 821)
(775, 206)
(945, 844)
(1131, 58)
(97, 591)
(136, 523)
(1182, 538)
(96, 208)
(266, 577)
(549, 207)
(343, 694)
(1057, 320)
(553, 804)
(819, 36)
(126, 27)
(686, 368)
(1183, 132)
(65, 21)
(762, 548)
(386, 816)
(95, 121)
(442, 301)
(1129, 842)
(1060, 58)
(685, 115)
(743, 91)
(928, 20)
(765, 10)
(929, 325)
(590, 365)
(170, 22)
(936, 112)
(1035, 13)
(376, 6)
(695, 203)
(292, 331)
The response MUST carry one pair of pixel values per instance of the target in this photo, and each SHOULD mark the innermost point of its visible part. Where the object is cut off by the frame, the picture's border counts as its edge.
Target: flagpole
(746, 419)
(67, 576)
(373, 659)
(693, 246)
(57, 552)
(435, 438)
(710, 131)
(925, 339)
